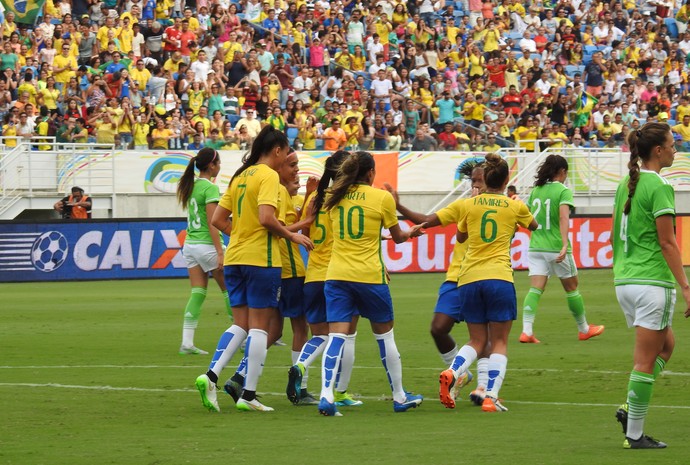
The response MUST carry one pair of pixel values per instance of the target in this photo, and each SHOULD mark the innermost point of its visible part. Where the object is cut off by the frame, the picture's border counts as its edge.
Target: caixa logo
(92, 251)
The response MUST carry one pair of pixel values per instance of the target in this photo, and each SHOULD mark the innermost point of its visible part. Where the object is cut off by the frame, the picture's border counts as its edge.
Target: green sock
(228, 307)
(658, 367)
(529, 309)
(576, 305)
(191, 315)
(639, 394)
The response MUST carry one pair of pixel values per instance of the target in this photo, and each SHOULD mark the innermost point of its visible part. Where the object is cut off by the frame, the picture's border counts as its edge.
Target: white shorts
(203, 255)
(544, 264)
(650, 307)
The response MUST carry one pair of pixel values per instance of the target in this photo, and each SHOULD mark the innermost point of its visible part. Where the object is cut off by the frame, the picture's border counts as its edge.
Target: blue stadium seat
(590, 49)
(319, 144)
(292, 134)
(535, 55)
(459, 6)
(672, 27)
(671, 122)
(570, 70)
(514, 35)
(233, 119)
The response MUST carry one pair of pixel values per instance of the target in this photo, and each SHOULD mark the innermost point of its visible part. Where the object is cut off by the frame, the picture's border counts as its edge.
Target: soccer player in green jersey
(646, 267)
(549, 248)
(203, 247)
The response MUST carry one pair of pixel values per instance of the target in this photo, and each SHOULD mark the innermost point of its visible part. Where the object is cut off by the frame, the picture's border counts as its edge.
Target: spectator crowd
(373, 75)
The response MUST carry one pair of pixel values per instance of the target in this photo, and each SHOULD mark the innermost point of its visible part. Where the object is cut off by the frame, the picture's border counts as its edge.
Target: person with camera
(76, 206)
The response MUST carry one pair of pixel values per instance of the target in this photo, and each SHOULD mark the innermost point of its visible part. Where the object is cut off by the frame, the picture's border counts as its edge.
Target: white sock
(314, 350)
(330, 363)
(390, 357)
(256, 356)
(294, 356)
(188, 336)
(498, 364)
(466, 356)
(221, 360)
(347, 362)
(482, 372)
(448, 357)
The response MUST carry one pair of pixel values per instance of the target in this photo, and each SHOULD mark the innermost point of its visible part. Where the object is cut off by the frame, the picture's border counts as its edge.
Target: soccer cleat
(191, 350)
(477, 396)
(645, 442)
(294, 385)
(491, 404)
(622, 417)
(411, 401)
(343, 399)
(447, 381)
(252, 406)
(207, 389)
(328, 409)
(525, 339)
(306, 399)
(594, 330)
(233, 389)
(279, 343)
(461, 382)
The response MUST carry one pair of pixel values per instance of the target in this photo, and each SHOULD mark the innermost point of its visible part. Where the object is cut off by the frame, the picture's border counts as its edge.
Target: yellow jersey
(321, 235)
(293, 266)
(250, 243)
(448, 215)
(357, 221)
(490, 221)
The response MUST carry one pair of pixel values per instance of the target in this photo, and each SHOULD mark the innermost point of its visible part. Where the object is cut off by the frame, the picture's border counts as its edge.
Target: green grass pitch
(90, 375)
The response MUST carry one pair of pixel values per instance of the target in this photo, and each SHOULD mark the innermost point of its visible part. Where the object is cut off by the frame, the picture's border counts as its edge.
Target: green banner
(25, 11)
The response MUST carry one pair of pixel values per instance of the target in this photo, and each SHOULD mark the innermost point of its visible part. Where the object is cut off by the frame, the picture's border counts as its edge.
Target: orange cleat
(525, 339)
(594, 330)
(492, 404)
(445, 392)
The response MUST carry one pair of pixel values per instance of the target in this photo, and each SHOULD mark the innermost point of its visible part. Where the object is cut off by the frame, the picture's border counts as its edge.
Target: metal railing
(41, 167)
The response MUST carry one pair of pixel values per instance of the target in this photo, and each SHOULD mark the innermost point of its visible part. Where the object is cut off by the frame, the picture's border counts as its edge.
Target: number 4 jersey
(545, 203)
(490, 221)
(356, 224)
(637, 257)
(203, 193)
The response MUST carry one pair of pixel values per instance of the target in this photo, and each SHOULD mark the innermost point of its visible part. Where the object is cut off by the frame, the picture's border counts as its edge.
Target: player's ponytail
(354, 170)
(268, 139)
(330, 172)
(202, 161)
(495, 171)
(548, 170)
(641, 143)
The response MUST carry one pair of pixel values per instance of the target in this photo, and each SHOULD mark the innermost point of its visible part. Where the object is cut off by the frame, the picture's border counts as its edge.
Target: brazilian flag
(25, 11)
(583, 108)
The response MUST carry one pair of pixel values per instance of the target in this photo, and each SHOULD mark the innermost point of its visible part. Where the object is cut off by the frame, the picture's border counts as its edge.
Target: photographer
(76, 206)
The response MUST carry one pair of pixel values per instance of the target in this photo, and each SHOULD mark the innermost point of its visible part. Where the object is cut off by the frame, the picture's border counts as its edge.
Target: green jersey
(204, 192)
(637, 257)
(545, 204)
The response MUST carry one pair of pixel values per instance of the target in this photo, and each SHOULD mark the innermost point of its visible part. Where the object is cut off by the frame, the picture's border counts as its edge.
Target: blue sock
(330, 363)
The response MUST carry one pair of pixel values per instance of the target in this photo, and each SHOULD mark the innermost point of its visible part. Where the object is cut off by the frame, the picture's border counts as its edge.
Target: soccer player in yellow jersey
(356, 278)
(447, 311)
(252, 263)
(485, 282)
(315, 299)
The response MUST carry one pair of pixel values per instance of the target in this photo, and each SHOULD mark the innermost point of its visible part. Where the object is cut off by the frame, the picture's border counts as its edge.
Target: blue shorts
(448, 301)
(290, 304)
(488, 300)
(314, 302)
(345, 299)
(254, 286)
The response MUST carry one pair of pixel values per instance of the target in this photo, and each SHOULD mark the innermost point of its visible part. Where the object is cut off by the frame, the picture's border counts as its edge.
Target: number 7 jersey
(251, 243)
(356, 224)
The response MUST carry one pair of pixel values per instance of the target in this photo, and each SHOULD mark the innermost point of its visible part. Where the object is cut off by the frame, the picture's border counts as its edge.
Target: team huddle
(340, 224)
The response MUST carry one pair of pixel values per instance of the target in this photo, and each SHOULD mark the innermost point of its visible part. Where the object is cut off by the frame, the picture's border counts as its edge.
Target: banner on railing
(89, 250)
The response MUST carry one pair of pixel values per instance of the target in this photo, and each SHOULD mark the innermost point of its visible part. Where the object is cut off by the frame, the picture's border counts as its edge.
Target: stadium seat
(292, 134)
(459, 6)
(570, 70)
(535, 55)
(671, 122)
(590, 49)
(233, 119)
(672, 27)
(514, 35)
(319, 144)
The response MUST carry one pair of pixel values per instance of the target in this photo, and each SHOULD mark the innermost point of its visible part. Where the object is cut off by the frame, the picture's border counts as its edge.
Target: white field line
(280, 394)
(359, 367)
